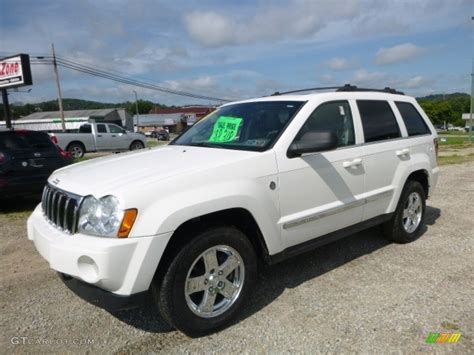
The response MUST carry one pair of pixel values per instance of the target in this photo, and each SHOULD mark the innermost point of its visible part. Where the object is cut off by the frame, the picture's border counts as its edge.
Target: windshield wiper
(207, 145)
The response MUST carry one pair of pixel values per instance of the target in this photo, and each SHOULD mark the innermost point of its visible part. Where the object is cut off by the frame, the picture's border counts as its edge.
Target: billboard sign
(15, 71)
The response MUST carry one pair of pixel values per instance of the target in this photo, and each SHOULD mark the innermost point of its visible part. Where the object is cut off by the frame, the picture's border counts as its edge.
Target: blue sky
(241, 49)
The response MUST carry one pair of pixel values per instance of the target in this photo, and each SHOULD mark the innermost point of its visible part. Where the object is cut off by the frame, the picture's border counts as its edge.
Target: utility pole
(6, 109)
(136, 106)
(60, 98)
(472, 102)
(472, 98)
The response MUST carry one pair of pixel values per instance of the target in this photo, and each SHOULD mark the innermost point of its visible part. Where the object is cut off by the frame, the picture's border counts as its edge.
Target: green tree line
(446, 108)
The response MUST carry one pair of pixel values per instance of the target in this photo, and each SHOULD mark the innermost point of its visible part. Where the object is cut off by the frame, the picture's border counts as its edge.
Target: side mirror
(312, 142)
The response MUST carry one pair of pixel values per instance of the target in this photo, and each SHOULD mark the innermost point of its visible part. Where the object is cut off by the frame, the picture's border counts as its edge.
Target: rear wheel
(136, 145)
(77, 150)
(408, 220)
(207, 282)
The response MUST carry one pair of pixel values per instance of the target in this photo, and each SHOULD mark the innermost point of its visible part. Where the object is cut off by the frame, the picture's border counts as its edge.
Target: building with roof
(197, 111)
(152, 122)
(467, 117)
(51, 121)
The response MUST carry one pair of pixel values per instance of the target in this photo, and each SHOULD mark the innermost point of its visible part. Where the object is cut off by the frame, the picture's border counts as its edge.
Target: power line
(86, 69)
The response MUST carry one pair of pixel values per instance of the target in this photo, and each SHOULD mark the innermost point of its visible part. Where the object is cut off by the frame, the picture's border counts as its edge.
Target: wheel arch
(422, 177)
(76, 142)
(239, 218)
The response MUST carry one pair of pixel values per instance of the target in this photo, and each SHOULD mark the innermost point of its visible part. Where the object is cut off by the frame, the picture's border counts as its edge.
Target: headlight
(102, 217)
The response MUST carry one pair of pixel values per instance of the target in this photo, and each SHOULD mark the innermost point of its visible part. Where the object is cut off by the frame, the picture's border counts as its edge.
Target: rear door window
(414, 123)
(378, 120)
(25, 140)
(101, 128)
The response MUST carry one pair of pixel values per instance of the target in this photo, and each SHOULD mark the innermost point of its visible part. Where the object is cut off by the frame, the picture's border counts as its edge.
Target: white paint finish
(315, 183)
(124, 266)
(315, 194)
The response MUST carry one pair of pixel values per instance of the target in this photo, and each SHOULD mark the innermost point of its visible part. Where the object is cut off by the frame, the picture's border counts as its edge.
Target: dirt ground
(360, 294)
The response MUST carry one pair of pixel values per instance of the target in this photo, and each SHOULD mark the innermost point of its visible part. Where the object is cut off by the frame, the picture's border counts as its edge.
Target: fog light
(89, 271)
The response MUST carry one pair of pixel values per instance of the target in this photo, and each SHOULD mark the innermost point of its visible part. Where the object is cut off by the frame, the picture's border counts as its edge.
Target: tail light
(66, 155)
(3, 158)
(436, 144)
(54, 139)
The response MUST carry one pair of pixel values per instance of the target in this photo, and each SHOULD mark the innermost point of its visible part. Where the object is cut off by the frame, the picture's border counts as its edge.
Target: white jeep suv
(262, 179)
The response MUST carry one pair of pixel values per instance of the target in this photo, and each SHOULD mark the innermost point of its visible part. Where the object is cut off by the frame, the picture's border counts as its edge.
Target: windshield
(245, 126)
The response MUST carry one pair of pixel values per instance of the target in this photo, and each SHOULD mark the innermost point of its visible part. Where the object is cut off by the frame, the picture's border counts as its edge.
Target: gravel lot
(361, 294)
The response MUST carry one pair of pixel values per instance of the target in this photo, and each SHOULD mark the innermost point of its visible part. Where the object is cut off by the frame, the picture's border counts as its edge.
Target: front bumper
(101, 298)
(121, 266)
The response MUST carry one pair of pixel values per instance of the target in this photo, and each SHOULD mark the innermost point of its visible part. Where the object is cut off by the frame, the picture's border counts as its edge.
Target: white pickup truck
(257, 180)
(95, 137)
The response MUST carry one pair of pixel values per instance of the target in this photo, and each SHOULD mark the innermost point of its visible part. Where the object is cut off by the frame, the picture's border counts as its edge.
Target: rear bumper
(121, 266)
(433, 179)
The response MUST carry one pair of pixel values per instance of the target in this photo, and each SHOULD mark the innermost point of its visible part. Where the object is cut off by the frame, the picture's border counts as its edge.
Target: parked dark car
(27, 158)
(163, 135)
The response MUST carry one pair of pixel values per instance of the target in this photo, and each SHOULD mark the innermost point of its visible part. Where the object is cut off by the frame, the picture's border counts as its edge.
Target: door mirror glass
(312, 142)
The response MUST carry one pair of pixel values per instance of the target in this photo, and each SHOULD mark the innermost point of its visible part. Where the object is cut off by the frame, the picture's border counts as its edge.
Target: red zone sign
(15, 71)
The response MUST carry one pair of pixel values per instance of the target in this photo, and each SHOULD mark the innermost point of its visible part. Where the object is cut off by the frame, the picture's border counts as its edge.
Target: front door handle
(402, 152)
(113, 135)
(99, 135)
(352, 163)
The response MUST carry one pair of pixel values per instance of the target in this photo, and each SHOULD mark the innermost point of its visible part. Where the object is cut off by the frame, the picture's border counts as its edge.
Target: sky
(242, 49)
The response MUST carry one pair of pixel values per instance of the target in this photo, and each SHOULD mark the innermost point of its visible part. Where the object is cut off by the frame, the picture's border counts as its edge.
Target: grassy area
(455, 159)
(453, 140)
(453, 133)
(155, 143)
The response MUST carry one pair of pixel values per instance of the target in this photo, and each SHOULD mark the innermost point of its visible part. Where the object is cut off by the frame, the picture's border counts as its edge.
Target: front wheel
(136, 145)
(207, 282)
(408, 220)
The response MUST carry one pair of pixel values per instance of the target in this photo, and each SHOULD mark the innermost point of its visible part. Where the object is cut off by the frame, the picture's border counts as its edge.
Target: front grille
(61, 208)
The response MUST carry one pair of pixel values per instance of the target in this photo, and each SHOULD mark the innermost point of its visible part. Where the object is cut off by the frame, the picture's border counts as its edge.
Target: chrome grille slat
(61, 208)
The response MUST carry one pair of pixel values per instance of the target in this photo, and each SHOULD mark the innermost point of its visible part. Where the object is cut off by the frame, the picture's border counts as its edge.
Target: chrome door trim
(335, 210)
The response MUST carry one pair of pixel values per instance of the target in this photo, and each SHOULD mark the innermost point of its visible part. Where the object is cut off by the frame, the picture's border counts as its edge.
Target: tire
(136, 145)
(77, 150)
(398, 228)
(185, 309)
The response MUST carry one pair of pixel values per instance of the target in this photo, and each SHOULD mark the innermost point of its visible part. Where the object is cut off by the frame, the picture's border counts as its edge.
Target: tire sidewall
(412, 186)
(135, 143)
(74, 145)
(173, 286)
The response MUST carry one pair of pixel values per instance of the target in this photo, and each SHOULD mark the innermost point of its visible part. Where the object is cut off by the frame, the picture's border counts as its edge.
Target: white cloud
(398, 53)
(375, 79)
(338, 63)
(296, 20)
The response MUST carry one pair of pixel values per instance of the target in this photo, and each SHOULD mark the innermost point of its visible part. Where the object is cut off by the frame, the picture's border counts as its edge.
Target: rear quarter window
(378, 120)
(414, 123)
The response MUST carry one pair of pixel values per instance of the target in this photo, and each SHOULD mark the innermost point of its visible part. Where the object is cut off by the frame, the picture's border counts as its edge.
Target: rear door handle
(99, 135)
(402, 152)
(353, 163)
(113, 135)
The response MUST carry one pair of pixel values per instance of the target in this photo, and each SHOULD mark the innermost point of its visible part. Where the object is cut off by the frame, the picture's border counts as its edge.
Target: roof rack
(345, 88)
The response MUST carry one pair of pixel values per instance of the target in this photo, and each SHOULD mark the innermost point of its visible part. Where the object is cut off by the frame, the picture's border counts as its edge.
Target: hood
(105, 175)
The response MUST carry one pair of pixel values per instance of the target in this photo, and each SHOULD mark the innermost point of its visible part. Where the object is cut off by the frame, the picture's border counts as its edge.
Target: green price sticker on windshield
(225, 129)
